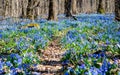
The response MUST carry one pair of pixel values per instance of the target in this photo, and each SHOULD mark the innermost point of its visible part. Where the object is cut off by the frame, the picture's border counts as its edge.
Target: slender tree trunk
(23, 10)
(117, 10)
(74, 6)
(68, 8)
(6, 8)
(100, 7)
(52, 10)
(31, 13)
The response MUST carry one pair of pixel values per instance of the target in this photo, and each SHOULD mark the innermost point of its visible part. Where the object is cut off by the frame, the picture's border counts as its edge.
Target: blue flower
(1, 71)
(26, 66)
(0, 35)
(12, 68)
(71, 35)
(15, 61)
(71, 69)
(66, 62)
(66, 73)
(102, 54)
(14, 71)
(107, 42)
(95, 55)
(109, 65)
(86, 73)
(15, 56)
(20, 67)
(104, 67)
(8, 63)
(26, 31)
(1, 66)
(118, 33)
(115, 61)
(82, 66)
(20, 61)
(12, 55)
(35, 65)
(93, 71)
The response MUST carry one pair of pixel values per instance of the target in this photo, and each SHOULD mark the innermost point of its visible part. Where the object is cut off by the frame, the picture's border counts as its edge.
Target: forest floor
(51, 59)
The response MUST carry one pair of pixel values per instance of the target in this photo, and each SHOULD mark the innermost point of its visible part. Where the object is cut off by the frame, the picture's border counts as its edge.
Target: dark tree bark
(100, 7)
(52, 10)
(117, 10)
(29, 11)
(68, 9)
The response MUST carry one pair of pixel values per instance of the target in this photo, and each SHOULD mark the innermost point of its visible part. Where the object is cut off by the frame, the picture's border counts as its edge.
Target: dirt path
(51, 64)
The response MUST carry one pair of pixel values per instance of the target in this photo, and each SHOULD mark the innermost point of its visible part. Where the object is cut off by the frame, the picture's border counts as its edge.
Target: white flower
(118, 45)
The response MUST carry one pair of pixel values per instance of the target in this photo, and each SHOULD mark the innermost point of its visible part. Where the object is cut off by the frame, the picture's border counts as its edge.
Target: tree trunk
(100, 7)
(68, 8)
(117, 10)
(23, 9)
(52, 10)
(6, 8)
(74, 6)
(31, 13)
(15, 8)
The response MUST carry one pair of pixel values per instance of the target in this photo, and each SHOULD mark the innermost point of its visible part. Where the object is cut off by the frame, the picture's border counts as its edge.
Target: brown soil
(51, 59)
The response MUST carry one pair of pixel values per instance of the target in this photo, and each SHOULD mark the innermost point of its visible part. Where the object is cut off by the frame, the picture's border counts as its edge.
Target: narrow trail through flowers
(51, 59)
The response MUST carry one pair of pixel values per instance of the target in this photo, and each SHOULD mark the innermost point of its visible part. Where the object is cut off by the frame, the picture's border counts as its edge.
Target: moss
(31, 25)
(101, 11)
(32, 17)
